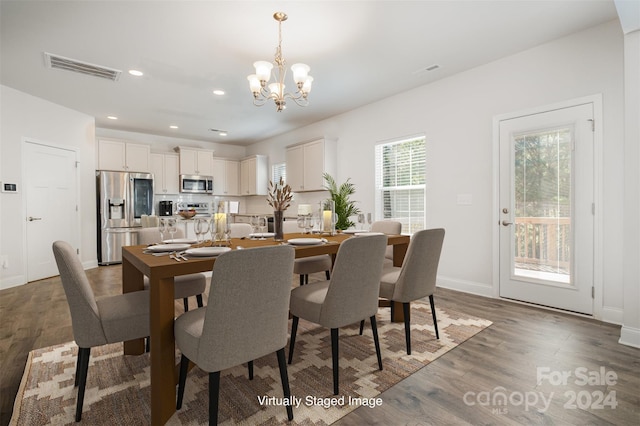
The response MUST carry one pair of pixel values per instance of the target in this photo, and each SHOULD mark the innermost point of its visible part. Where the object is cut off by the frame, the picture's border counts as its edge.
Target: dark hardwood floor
(464, 386)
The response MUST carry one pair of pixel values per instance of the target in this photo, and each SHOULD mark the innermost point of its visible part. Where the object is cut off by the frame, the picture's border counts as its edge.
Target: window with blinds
(401, 182)
(277, 171)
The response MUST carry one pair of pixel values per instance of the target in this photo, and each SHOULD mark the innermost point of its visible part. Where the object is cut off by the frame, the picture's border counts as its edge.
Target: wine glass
(172, 227)
(302, 223)
(361, 220)
(162, 227)
(262, 224)
(200, 227)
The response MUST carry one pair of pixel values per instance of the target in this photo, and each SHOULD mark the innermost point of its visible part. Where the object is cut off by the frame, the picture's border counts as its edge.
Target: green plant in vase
(345, 208)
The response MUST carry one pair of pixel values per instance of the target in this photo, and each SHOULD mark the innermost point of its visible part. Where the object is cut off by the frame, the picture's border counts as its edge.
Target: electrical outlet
(4, 261)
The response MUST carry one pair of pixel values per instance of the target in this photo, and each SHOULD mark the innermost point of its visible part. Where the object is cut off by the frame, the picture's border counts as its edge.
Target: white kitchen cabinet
(307, 163)
(166, 179)
(123, 156)
(226, 176)
(195, 161)
(254, 175)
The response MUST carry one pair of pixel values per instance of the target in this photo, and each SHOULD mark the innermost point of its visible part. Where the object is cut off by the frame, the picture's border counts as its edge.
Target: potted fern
(345, 208)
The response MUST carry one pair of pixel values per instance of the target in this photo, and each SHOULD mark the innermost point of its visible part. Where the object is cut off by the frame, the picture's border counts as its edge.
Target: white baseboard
(472, 287)
(90, 264)
(611, 315)
(12, 281)
(630, 336)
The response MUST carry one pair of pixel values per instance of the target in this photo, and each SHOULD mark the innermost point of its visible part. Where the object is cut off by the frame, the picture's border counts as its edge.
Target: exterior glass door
(546, 203)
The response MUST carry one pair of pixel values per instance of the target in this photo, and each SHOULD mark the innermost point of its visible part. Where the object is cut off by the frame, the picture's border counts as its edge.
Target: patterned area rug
(118, 386)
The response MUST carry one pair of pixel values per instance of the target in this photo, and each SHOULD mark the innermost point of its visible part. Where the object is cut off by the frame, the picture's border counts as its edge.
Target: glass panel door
(546, 208)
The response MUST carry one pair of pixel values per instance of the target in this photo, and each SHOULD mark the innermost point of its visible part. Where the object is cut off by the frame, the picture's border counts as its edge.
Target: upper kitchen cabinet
(194, 161)
(165, 173)
(226, 177)
(307, 163)
(123, 156)
(254, 175)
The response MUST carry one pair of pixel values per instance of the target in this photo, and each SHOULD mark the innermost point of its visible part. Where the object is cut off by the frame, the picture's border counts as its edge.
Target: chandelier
(258, 81)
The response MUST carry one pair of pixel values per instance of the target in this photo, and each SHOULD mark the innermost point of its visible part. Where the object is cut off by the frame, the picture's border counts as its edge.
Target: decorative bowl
(187, 214)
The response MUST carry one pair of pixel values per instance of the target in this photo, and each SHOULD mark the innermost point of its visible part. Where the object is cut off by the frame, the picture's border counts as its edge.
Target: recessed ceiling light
(136, 73)
(218, 92)
(173, 126)
(223, 133)
(112, 117)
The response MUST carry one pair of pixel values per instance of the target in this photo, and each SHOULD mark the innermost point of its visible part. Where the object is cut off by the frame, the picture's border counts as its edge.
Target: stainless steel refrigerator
(123, 197)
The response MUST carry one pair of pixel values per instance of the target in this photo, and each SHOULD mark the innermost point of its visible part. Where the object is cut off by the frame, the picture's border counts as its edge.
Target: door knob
(31, 218)
(505, 223)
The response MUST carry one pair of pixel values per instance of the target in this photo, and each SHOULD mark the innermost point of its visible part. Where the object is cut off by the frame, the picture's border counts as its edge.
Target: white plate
(207, 251)
(353, 231)
(262, 235)
(181, 241)
(168, 247)
(305, 241)
(364, 234)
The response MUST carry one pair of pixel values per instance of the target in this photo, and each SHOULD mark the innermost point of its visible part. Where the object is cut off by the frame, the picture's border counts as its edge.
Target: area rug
(118, 392)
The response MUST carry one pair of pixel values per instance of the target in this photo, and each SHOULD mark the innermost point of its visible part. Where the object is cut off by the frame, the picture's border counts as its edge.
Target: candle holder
(220, 230)
(327, 215)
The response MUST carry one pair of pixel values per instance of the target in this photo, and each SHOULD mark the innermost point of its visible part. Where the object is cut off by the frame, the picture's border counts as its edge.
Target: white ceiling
(359, 52)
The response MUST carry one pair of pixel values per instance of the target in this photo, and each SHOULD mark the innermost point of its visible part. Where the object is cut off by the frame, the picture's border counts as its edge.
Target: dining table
(137, 262)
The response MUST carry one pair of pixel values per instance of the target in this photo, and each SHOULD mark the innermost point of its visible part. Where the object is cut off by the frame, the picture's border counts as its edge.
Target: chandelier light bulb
(263, 70)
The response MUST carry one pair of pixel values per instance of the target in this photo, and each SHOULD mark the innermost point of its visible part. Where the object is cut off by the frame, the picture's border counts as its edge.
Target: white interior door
(51, 205)
(546, 208)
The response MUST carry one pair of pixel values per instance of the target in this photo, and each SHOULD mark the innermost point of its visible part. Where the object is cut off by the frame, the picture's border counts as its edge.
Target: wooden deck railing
(543, 241)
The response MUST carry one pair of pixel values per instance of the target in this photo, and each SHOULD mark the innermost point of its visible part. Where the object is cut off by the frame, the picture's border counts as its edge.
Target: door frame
(598, 133)
(78, 230)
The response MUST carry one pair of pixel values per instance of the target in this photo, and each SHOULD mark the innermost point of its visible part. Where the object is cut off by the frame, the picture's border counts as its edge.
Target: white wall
(24, 116)
(456, 116)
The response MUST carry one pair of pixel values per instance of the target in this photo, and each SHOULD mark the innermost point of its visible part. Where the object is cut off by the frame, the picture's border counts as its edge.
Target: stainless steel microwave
(196, 184)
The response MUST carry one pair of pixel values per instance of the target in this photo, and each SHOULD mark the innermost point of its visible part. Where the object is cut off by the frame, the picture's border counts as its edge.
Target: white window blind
(401, 182)
(277, 171)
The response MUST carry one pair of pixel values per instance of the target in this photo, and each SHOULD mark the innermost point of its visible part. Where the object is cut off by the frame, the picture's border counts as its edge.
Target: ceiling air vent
(60, 62)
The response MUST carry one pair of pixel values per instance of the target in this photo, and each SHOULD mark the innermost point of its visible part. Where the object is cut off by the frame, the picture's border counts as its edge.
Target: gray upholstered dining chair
(389, 227)
(416, 278)
(185, 286)
(350, 296)
(246, 318)
(307, 265)
(97, 322)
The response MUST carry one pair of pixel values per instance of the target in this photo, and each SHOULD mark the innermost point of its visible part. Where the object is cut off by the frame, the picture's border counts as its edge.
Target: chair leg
(199, 300)
(182, 381)
(250, 367)
(185, 302)
(284, 378)
(301, 279)
(306, 278)
(334, 358)
(292, 340)
(376, 341)
(361, 327)
(433, 314)
(407, 325)
(214, 392)
(82, 368)
(393, 310)
(328, 274)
